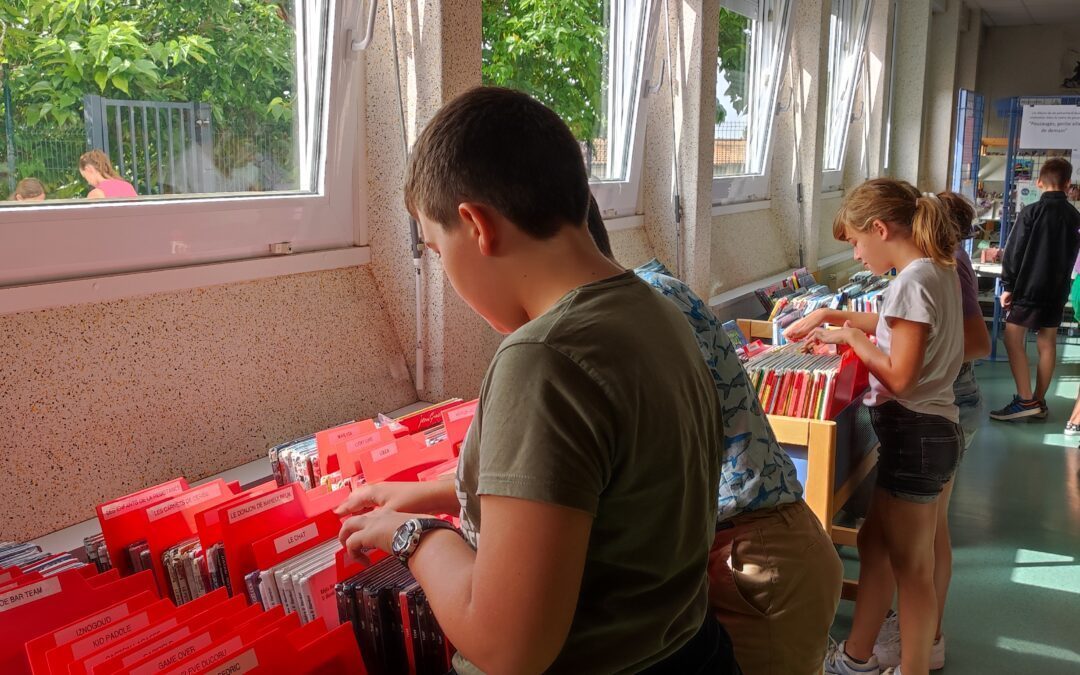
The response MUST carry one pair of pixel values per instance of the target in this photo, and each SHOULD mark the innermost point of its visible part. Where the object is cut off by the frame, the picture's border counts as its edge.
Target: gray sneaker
(1044, 410)
(1018, 409)
(837, 662)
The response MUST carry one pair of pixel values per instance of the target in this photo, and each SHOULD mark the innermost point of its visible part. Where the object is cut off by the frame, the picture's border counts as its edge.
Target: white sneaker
(839, 663)
(937, 654)
(887, 647)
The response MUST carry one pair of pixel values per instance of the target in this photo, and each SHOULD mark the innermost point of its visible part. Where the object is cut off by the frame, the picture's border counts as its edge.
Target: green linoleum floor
(1014, 603)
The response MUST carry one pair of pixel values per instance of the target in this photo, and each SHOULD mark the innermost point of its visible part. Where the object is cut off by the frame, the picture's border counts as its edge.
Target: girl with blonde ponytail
(919, 351)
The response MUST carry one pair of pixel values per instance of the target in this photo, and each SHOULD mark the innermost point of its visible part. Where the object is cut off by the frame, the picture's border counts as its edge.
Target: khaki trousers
(774, 584)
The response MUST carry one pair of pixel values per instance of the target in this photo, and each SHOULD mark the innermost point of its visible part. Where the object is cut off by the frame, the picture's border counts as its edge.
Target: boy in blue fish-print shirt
(774, 576)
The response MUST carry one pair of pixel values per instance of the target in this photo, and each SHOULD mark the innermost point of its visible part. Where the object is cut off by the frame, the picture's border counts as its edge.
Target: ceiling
(1027, 12)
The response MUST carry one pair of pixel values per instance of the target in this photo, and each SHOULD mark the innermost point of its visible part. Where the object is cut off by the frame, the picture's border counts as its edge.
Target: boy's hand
(404, 497)
(1006, 299)
(801, 328)
(372, 530)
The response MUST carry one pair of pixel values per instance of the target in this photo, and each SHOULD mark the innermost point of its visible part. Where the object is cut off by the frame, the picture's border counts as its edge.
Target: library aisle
(1015, 523)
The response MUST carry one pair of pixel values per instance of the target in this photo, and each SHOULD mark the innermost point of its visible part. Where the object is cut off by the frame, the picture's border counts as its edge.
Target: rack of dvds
(246, 578)
(813, 402)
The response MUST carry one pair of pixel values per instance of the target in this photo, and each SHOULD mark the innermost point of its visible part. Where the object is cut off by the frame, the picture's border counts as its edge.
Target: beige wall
(103, 399)
(744, 249)
(1023, 61)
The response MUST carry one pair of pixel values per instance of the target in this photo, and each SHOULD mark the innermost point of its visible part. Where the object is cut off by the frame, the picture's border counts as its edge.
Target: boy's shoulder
(614, 317)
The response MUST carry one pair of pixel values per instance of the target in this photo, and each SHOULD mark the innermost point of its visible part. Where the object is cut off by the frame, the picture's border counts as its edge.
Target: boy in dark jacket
(1035, 278)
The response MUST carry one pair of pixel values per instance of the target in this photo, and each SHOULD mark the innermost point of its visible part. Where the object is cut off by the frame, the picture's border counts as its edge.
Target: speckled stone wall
(799, 136)
(827, 245)
(693, 33)
(631, 247)
(439, 57)
(941, 86)
(913, 34)
(744, 249)
(103, 399)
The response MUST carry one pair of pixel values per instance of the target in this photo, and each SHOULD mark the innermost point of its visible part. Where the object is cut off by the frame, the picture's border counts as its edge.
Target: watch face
(402, 536)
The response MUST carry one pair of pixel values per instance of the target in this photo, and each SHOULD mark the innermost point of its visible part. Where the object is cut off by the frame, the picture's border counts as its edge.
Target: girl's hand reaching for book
(803, 327)
(833, 336)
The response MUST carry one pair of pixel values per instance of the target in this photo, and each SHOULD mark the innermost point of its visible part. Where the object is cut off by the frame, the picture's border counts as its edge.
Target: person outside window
(97, 169)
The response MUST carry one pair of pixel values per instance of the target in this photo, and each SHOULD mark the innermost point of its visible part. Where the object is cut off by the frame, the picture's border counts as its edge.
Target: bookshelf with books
(246, 579)
(814, 405)
(786, 302)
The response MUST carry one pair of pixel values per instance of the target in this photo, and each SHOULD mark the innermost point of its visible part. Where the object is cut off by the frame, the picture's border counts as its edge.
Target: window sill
(121, 286)
(836, 259)
(832, 194)
(744, 207)
(624, 223)
(722, 299)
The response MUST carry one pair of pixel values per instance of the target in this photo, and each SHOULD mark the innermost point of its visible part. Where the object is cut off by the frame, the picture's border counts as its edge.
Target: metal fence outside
(51, 156)
(258, 159)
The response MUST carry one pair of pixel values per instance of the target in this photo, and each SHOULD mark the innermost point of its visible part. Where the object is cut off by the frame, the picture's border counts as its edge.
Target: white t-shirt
(926, 293)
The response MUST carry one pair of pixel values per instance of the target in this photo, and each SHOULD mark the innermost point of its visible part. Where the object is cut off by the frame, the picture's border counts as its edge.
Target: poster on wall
(1050, 127)
(1027, 193)
(1022, 168)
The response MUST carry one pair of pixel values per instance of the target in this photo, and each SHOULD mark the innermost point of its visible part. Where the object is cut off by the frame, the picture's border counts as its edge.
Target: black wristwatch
(407, 537)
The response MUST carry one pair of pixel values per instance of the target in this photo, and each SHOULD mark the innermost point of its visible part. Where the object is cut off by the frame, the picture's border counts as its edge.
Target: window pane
(180, 98)
(581, 58)
(749, 67)
(847, 35)
(732, 104)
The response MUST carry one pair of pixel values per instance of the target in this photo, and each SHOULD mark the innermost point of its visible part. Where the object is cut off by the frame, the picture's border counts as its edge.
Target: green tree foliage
(235, 54)
(552, 49)
(734, 44)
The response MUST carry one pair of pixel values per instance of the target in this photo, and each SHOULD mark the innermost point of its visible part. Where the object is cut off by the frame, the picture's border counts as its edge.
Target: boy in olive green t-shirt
(587, 484)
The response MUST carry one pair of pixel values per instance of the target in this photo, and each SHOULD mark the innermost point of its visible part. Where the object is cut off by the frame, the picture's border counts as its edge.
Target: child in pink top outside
(97, 169)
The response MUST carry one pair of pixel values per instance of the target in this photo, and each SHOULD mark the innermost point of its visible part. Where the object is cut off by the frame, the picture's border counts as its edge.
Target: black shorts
(1035, 317)
(919, 452)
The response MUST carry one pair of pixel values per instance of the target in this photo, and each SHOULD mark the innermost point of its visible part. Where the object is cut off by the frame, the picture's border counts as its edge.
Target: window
(182, 98)
(890, 86)
(847, 38)
(585, 60)
(753, 44)
(216, 114)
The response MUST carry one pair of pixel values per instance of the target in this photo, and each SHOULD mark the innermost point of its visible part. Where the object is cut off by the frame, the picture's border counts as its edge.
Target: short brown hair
(29, 188)
(961, 213)
(100, 161)
(899, 204)
(1056, 173)
(502, 148)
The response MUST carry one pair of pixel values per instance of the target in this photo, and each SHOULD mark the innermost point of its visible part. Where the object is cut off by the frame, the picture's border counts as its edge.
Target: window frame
(832, 177)
(749, 188)
(78, 240)
(623, 198)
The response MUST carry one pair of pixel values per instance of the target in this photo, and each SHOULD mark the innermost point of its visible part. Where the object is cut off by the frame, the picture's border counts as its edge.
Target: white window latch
(369, 30)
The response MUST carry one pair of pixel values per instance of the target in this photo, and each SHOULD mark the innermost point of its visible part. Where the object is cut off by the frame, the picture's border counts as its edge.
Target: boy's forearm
(441, 497)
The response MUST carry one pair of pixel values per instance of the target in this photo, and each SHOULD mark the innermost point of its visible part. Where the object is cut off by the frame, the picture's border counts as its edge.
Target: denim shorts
(918, 454)
(970, 403)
